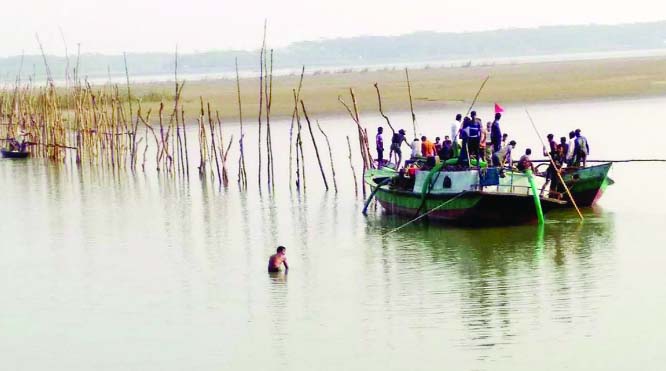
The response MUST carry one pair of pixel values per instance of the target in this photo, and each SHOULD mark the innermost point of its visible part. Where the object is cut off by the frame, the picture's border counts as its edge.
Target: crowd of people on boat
(472, 144)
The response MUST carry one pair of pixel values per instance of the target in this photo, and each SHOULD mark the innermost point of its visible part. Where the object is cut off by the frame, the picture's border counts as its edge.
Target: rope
(424, 215)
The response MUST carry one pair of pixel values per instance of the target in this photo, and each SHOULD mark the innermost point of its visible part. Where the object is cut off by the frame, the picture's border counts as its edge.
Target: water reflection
(500, 283)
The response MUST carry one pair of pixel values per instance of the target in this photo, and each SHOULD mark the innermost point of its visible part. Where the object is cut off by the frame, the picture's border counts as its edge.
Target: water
(145, 272)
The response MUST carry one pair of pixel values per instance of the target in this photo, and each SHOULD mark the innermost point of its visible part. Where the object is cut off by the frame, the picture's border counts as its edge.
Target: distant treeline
(365, 50)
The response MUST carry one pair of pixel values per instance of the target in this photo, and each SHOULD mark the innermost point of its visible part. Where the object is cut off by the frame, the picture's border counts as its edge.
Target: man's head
(437, 139)
(504, 136)
(401, 131)
(528, 151)
(281, 250)
(550, 137)
(498, 116)
(577, 132)
(472, 114)
(563, 140)
(512, 143)
(572, 134)
(423, 138)
(380, 130)
(458, 117)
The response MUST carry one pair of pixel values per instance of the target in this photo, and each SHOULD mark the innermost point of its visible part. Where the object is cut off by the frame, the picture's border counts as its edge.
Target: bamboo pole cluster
(104, 126)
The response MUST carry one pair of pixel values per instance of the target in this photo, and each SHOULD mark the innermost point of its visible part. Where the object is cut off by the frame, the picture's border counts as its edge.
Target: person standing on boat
(438, 145)
(562, 150)
(582, 149)
(396, 142)
(463, 133)
(489, 145)
(474, 137)
(416, 149)
(379, 141)
(504, 155)
(571, 148)
(455, 130)
(277, 260)
(551, 171)
(496, 133)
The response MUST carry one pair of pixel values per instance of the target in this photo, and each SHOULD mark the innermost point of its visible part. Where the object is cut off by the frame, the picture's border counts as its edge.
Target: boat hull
(13, 154)
(586, 185)
(469, 208)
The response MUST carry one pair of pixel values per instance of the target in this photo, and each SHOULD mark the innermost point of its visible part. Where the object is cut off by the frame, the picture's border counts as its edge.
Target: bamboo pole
(411, 104)
(314, 143)
(351, 165)
(330, 155)
(242, 173)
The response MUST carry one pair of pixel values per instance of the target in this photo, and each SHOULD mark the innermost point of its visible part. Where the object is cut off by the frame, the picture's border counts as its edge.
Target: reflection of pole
(557, 170)
(539, 240)
(535, 194)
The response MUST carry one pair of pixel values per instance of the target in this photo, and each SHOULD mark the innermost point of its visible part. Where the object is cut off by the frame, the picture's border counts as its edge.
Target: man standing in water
(276, 260)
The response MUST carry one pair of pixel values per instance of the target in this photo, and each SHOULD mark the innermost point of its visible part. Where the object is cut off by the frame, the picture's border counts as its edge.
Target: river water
(116, 271)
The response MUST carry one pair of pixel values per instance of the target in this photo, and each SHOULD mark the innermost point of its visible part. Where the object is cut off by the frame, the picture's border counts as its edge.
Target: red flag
(498, 108)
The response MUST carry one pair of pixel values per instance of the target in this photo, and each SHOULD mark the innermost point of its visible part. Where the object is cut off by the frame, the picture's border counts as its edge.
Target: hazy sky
(114, 26)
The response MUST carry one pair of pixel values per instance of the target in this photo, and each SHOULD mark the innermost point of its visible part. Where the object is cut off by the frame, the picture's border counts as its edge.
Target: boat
(6, 153)
(467, 196)
(586, 184)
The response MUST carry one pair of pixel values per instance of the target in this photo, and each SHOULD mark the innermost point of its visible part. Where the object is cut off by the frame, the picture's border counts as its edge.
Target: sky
(116, 26)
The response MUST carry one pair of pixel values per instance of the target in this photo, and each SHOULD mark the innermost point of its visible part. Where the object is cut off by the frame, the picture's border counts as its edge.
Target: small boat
(467, 196)
(13, 153)
(586, 184)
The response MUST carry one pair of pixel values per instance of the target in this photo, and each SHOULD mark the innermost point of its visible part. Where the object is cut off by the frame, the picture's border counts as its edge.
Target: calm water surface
(148, 272)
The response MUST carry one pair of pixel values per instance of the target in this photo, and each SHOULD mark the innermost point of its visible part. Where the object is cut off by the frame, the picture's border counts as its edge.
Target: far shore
(432, 88)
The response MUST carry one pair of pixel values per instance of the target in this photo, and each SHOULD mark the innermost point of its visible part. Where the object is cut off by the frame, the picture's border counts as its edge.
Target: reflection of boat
(14, 154)
(587, 184)
(467, 196)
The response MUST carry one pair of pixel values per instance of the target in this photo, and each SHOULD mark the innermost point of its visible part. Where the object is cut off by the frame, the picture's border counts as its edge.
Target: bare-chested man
(276, 260)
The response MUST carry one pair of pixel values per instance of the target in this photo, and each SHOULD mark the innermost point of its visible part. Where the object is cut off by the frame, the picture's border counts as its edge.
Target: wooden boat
(463, 196)
(14, 154)
(586, 184)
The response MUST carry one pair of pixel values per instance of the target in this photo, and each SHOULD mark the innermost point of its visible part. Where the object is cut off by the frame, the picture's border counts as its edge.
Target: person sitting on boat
(427, 147)
(379, 141)
(277, 260)
(582, 149)
(504, 155)
(447, 149)
(524, 163)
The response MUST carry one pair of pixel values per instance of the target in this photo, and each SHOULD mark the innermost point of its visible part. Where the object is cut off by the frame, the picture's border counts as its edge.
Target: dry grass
(432, 88)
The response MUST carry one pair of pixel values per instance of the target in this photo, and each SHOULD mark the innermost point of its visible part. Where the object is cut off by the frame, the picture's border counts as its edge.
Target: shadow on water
(505, 281)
